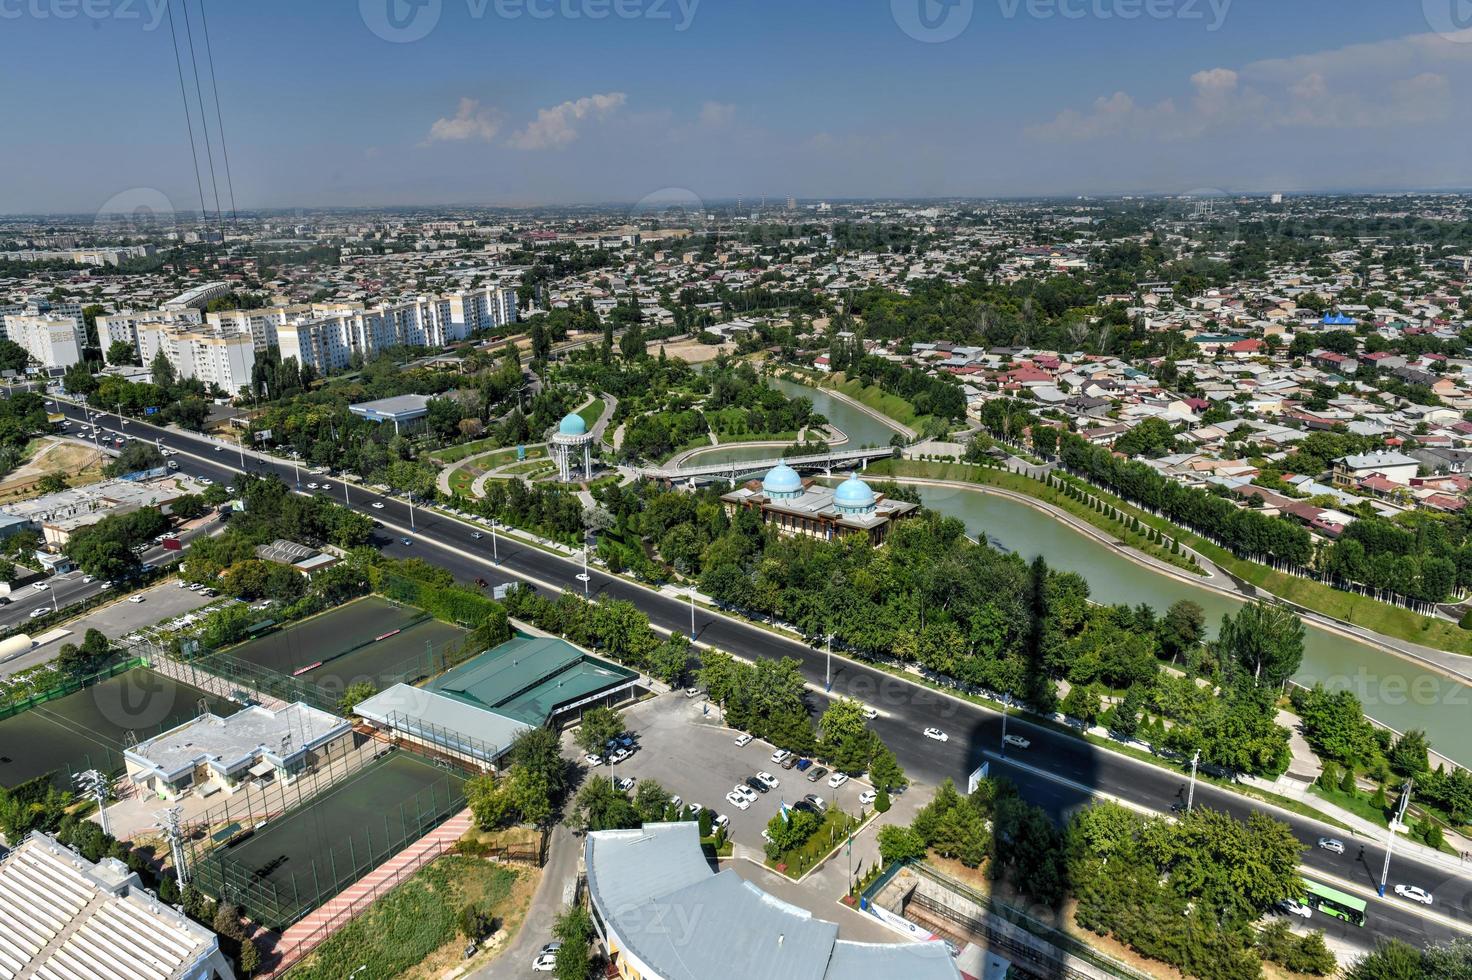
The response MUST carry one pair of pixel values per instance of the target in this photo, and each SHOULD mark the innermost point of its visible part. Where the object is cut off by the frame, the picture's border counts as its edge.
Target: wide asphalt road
(1063, 773)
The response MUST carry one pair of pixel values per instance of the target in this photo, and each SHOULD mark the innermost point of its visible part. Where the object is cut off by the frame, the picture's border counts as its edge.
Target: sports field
(369, 640)
(293, 864)
(87, 730)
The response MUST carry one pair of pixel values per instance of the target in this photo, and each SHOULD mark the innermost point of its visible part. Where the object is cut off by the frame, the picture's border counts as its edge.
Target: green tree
(601, 806)
(598, 727)
(1181, 629)
(651, 800)
(1082, 702)
(121, 352)
(1393, 960)
(574, 929)
(1408, 756)
(898, 843)
(354, 695)
(845, 740)
(1265, 641)
(885, 771)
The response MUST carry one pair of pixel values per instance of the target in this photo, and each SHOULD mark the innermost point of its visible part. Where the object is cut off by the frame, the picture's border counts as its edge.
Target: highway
(1061, 773)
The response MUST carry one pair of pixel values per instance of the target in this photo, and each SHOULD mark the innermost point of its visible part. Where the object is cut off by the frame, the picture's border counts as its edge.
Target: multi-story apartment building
(261, 324)
(123, 327)
(53, 341)
(220, 357)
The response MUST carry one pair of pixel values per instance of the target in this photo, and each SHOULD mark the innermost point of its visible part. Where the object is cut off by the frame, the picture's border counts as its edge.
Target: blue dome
(782, 479)
(853, 494)
(572, 424)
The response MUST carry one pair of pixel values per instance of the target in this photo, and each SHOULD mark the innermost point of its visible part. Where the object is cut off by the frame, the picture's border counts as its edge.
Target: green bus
(1333, 902)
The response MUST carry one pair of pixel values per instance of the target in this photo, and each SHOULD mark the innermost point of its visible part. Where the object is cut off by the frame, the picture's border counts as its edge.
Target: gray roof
(654, 890)
(436, 717)
(1367, 461)
(229, 744)
(402, 407)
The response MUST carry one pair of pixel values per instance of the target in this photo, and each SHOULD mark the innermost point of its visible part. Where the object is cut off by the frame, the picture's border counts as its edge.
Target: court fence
(351, 853)
(69, 687)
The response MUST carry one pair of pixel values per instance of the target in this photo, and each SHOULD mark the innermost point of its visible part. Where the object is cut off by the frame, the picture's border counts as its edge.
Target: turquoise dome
(572, 424)
(854, 494)
(781, 480)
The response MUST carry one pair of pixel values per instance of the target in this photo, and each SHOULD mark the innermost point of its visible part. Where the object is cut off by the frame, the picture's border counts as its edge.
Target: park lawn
(696, 442)
(413, 930)
(725, 437)
(991, 476)
(453, 454)
(591, 412)
(530, 467)
(460, 481)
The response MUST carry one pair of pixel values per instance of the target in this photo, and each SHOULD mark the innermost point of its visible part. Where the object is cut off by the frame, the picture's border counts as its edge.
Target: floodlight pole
(1400, 813)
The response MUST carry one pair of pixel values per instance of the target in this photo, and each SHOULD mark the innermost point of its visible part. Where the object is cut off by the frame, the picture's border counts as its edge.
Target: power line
(188, 116)
(203, 118)
(219, 119)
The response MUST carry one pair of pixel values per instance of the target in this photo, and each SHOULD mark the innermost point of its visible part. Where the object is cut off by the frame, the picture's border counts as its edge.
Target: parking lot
(684, 746)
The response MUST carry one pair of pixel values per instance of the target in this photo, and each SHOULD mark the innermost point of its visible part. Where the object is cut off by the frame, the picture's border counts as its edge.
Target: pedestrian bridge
(842, 459)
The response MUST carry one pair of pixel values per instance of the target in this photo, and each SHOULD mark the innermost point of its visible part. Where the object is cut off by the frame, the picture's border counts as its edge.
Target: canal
(1394, 691)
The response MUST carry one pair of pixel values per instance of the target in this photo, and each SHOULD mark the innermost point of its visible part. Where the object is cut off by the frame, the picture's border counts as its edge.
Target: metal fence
(69, 687)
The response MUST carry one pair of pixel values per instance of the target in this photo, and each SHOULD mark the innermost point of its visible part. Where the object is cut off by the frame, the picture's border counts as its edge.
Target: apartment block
(123, 327)
(223, 358)
(52, 341)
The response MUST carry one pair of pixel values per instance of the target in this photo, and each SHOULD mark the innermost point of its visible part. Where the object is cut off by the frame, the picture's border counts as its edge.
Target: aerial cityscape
(668, 490)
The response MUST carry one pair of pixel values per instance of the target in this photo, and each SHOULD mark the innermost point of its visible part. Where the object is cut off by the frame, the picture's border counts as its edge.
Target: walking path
(554, 892)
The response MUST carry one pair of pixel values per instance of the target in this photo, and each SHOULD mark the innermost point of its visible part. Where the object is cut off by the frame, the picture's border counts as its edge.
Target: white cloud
(1395, 83)
(470, 122)
(556, 127)
(717, 115)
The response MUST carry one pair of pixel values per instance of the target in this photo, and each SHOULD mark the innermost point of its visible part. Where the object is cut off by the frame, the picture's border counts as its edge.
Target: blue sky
(813, 98)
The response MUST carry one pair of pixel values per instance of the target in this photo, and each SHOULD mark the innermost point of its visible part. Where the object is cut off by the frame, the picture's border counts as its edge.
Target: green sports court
(280, 871)
(88, 729)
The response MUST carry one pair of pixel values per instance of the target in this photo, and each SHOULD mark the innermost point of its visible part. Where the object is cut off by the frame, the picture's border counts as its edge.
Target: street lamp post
(828, 667)
(1400, 814)
(585, 578)
(1006, 704)
(1191, 793)
(692, 615)
(495, 551)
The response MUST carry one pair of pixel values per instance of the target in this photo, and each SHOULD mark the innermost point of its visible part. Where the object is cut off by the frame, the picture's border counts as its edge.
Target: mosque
(795, 506)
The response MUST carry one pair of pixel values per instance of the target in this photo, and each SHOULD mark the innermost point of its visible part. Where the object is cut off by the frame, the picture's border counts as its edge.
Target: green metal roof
(527, 678)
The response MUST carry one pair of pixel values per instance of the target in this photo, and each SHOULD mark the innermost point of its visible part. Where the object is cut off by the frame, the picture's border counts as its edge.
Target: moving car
(1414, 893)
(1332, 844)
(377, 505)
(1016, 741)
(42, 587)
(937, 734)
(837, 779)
(135, 598)
(743, 739)
(406, 541)
(475, 535)
(1290, 906)
(38, 612)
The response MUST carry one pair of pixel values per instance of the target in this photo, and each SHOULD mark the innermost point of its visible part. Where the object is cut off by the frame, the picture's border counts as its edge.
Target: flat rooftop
(230, 743)
(527, 678)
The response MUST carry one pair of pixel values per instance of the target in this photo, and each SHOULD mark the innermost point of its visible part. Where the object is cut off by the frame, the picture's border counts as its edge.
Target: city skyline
(389, 103)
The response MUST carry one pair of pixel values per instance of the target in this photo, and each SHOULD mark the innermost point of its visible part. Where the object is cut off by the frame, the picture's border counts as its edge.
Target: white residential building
(221, 357)
(123, 327)
(52, 341)
(261, 324)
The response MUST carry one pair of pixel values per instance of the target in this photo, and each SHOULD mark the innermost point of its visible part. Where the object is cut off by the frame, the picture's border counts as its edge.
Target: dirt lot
(690, 351)
(79, 464)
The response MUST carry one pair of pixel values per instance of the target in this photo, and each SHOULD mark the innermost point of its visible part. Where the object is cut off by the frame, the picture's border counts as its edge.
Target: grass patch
(1017, 483)
(726, 436)
(591, 412)
(461, 481)
(411, 923)
(1357, 804)
(836, 826)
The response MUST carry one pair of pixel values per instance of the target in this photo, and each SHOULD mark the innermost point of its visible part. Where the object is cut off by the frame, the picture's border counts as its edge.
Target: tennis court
(329, 635)
(280, 872)
(87, 730)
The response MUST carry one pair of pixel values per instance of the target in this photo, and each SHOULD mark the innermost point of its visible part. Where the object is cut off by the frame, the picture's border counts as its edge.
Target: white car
(593, 759)
(743, 739)
(377, 505)
(135, 598)
(38, 612)
(779, 756)
(677, 803)
(42, 587)
(721, 822)
(1414, 893)
(218, 449)
(937, 734)
(870, 713)
(694, 809)
(837, 779)
(1332, 844)
(625, 784)
(767, 780)
(86, 580)
(545, 963)
(1016, 741)
(745, 792)
(737, 800)
(866, 797)
(326, 486)
(311, 486)
(1290, 906)
(619, 755)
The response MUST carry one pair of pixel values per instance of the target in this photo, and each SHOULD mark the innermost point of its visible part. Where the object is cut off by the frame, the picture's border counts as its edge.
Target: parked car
(789, 762)
(625, 784)
(721, 822)
(837, 779)
(756, 784)
(746, 792)
(692, 692)
(1332, 844)
(870, 713)
(619, 755)
(803, 764)
(767, 780)
(816, 801)
(737, 800)
(593, 759)
(743, 739)
(867, 796)
(816, 773)
(1016, 741)
(780, 755)
(544, 963)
